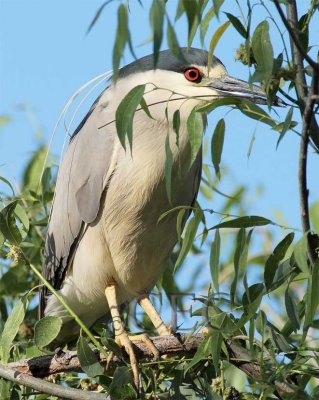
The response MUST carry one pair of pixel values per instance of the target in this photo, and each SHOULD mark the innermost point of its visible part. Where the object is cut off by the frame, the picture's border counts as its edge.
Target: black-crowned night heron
(104, 244)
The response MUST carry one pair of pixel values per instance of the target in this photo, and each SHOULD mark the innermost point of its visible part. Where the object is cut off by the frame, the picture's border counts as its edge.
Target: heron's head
(181, 83)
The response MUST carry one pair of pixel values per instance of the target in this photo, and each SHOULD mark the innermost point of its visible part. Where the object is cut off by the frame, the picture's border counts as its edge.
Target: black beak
(229, 86)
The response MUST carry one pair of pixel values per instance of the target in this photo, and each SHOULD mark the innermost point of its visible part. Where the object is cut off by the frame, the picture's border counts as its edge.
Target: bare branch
(48, 387)
(167, 345)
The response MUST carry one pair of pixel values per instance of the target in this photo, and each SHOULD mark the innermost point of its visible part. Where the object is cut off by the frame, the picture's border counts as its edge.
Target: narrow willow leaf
(168, 169)
(180, 223)
(217, 145)
(261, 322)
(195, 129)
(97, 15)
(240, 245)
(263, 53)
(7, 183)
(176, 125)
(245, 106)
(217, 340)
(301, 253)
(46, 330)
(205, 24)
(180, 10)
(88, 359)
(244, 222)
(189, 237)
(8, 225)
(204, 350)
(217, 5)
(11, 329)
(145, 108)
(125, 113)
(312, 296)
(214, 260)
(214, 41)
(237, 25)
(190, 8)
(286, 126)
(122, 37)
(274, 259)
(173, 42)
(291, 311)
(157, 13)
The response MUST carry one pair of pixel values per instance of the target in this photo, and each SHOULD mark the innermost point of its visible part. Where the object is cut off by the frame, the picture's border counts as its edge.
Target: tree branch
(167, 345)
(49, 387)
(298, 55)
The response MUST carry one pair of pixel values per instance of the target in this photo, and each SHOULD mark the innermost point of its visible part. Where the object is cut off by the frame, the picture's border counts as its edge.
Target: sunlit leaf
(11, 328)
(244, 222)
(195, 129)
(263, 53)
(46, 330)
(301, 254)
(122, 37)
(189, 237)
(205, 24)
(125, 113)
(98, 14)
(214, 260)
(173, 42)
(217, 145)
(286, 125)
(214, 41)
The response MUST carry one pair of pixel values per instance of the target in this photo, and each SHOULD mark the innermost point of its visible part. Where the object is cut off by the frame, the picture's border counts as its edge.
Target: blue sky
(46, 56)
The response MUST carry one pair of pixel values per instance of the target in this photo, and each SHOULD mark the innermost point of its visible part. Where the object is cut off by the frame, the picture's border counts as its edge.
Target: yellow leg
(121, 336)
(154, 316)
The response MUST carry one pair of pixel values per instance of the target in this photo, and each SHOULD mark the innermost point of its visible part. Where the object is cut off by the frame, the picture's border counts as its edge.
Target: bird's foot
(127, 341)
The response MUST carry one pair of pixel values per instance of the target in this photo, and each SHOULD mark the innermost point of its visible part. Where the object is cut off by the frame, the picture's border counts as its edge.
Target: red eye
(193, 75)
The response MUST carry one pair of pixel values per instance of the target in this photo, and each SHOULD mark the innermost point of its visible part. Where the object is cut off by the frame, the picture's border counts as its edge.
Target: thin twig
(48, 387)
(170, 346)
(302, 174)
(292, 33)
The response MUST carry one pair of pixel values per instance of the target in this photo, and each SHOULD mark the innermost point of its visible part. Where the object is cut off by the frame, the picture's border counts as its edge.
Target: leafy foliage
(263, 294)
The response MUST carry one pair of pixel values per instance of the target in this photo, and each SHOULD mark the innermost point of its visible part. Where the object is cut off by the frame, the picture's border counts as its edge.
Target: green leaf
(301, 254)
(125, 113)
(291, 311)
(240, 246)
(190, 8)
(22, 216)
(195, 129)
(245, 106)
(8, 225)
(157, 13)
(252, 298)
(32, 174)
(46, 330)
(168, 169)
(214, 41)
(173, 42)
(189, 237)
(145, 108)
(11, 329)
(217, 145)
(314, 216)
(214, 260)
(274, 259)
(217, 340)
(263, 53)
(237, 25)
(205, 24)
(244, 222)
(7, 183)
(97, 15)
(286, 126)
(88, 359)
(176, 125)
(203, 351)
(122, 37)
(122, 384)
(180, 223)
(312, 301)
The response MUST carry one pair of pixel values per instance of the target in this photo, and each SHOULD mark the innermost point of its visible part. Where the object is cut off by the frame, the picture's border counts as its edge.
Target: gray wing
(78, 192)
